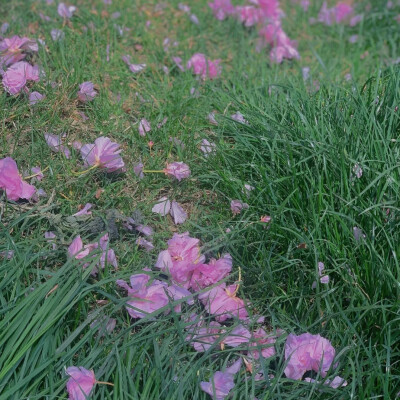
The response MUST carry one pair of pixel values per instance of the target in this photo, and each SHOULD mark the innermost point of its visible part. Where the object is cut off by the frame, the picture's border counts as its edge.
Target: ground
(301, 148)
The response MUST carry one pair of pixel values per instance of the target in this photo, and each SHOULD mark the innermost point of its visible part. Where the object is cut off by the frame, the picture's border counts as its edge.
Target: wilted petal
(178, 213)
(162, 207)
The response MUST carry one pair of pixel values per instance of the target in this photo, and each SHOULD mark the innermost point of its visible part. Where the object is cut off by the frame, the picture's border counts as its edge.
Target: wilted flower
(35, 97)
(84, 210)
(144, 127)
(307, 352)
(65, 11)
(222, 8)
(103, 153)
(11, 181)
(80, 383)
(55, 144)
(16, 76)
(86, 92)
(237, 206)
(207, 147)
(178, 170)
(144, 298)
(221, 383)
(57, 34)
(12, 49)
(203, 67)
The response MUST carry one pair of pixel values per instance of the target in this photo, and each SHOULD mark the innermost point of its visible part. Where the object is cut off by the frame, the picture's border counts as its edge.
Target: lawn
(307, 150)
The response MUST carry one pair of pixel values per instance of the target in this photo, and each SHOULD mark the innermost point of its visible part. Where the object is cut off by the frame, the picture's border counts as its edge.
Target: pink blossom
(208, 274)
(11, 181)
(203, 67)
(307, 352)
(237, 206)
(80, 383)
(11, 49)
(222, 8)
(86, 92)
(84, 211)
(55, 144)
(65, 11)
(249, 15)
(342, 11)
(15, 78)
(34, 98)
(178, 170)
(144, 299)
(221, 301)
(180, 258)
(103, 153)
(144, 127)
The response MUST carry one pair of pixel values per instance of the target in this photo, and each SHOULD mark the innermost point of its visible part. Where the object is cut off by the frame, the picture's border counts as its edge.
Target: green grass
(298, 151)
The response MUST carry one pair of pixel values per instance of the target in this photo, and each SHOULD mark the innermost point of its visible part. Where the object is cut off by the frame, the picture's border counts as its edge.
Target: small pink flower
(307, 352)
(203, 67)
(178, 170)
(103, 153)
(144, 127)
(65, 11)
(237, 206)
(86, 92)
(80, 383)
(11, 181)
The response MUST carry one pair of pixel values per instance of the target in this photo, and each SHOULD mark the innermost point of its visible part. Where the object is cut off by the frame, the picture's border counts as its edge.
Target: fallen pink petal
(178, 170)
(80, 384)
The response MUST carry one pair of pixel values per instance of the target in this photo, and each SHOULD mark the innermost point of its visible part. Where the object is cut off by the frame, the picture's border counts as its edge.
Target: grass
(298, 151)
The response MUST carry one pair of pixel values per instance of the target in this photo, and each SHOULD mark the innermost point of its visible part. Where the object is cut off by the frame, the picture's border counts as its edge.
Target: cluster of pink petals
(80, 383)
(86, 92)
(165, 206)
(81, 252)
(178, 170)
(181, 258)
(146, 296)
(203, 67)
(12, 183)
(266, 14)
(307, 352)
(13, 49)
(103, 153)
(340, 13)
(222, 302)
(17, 75)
